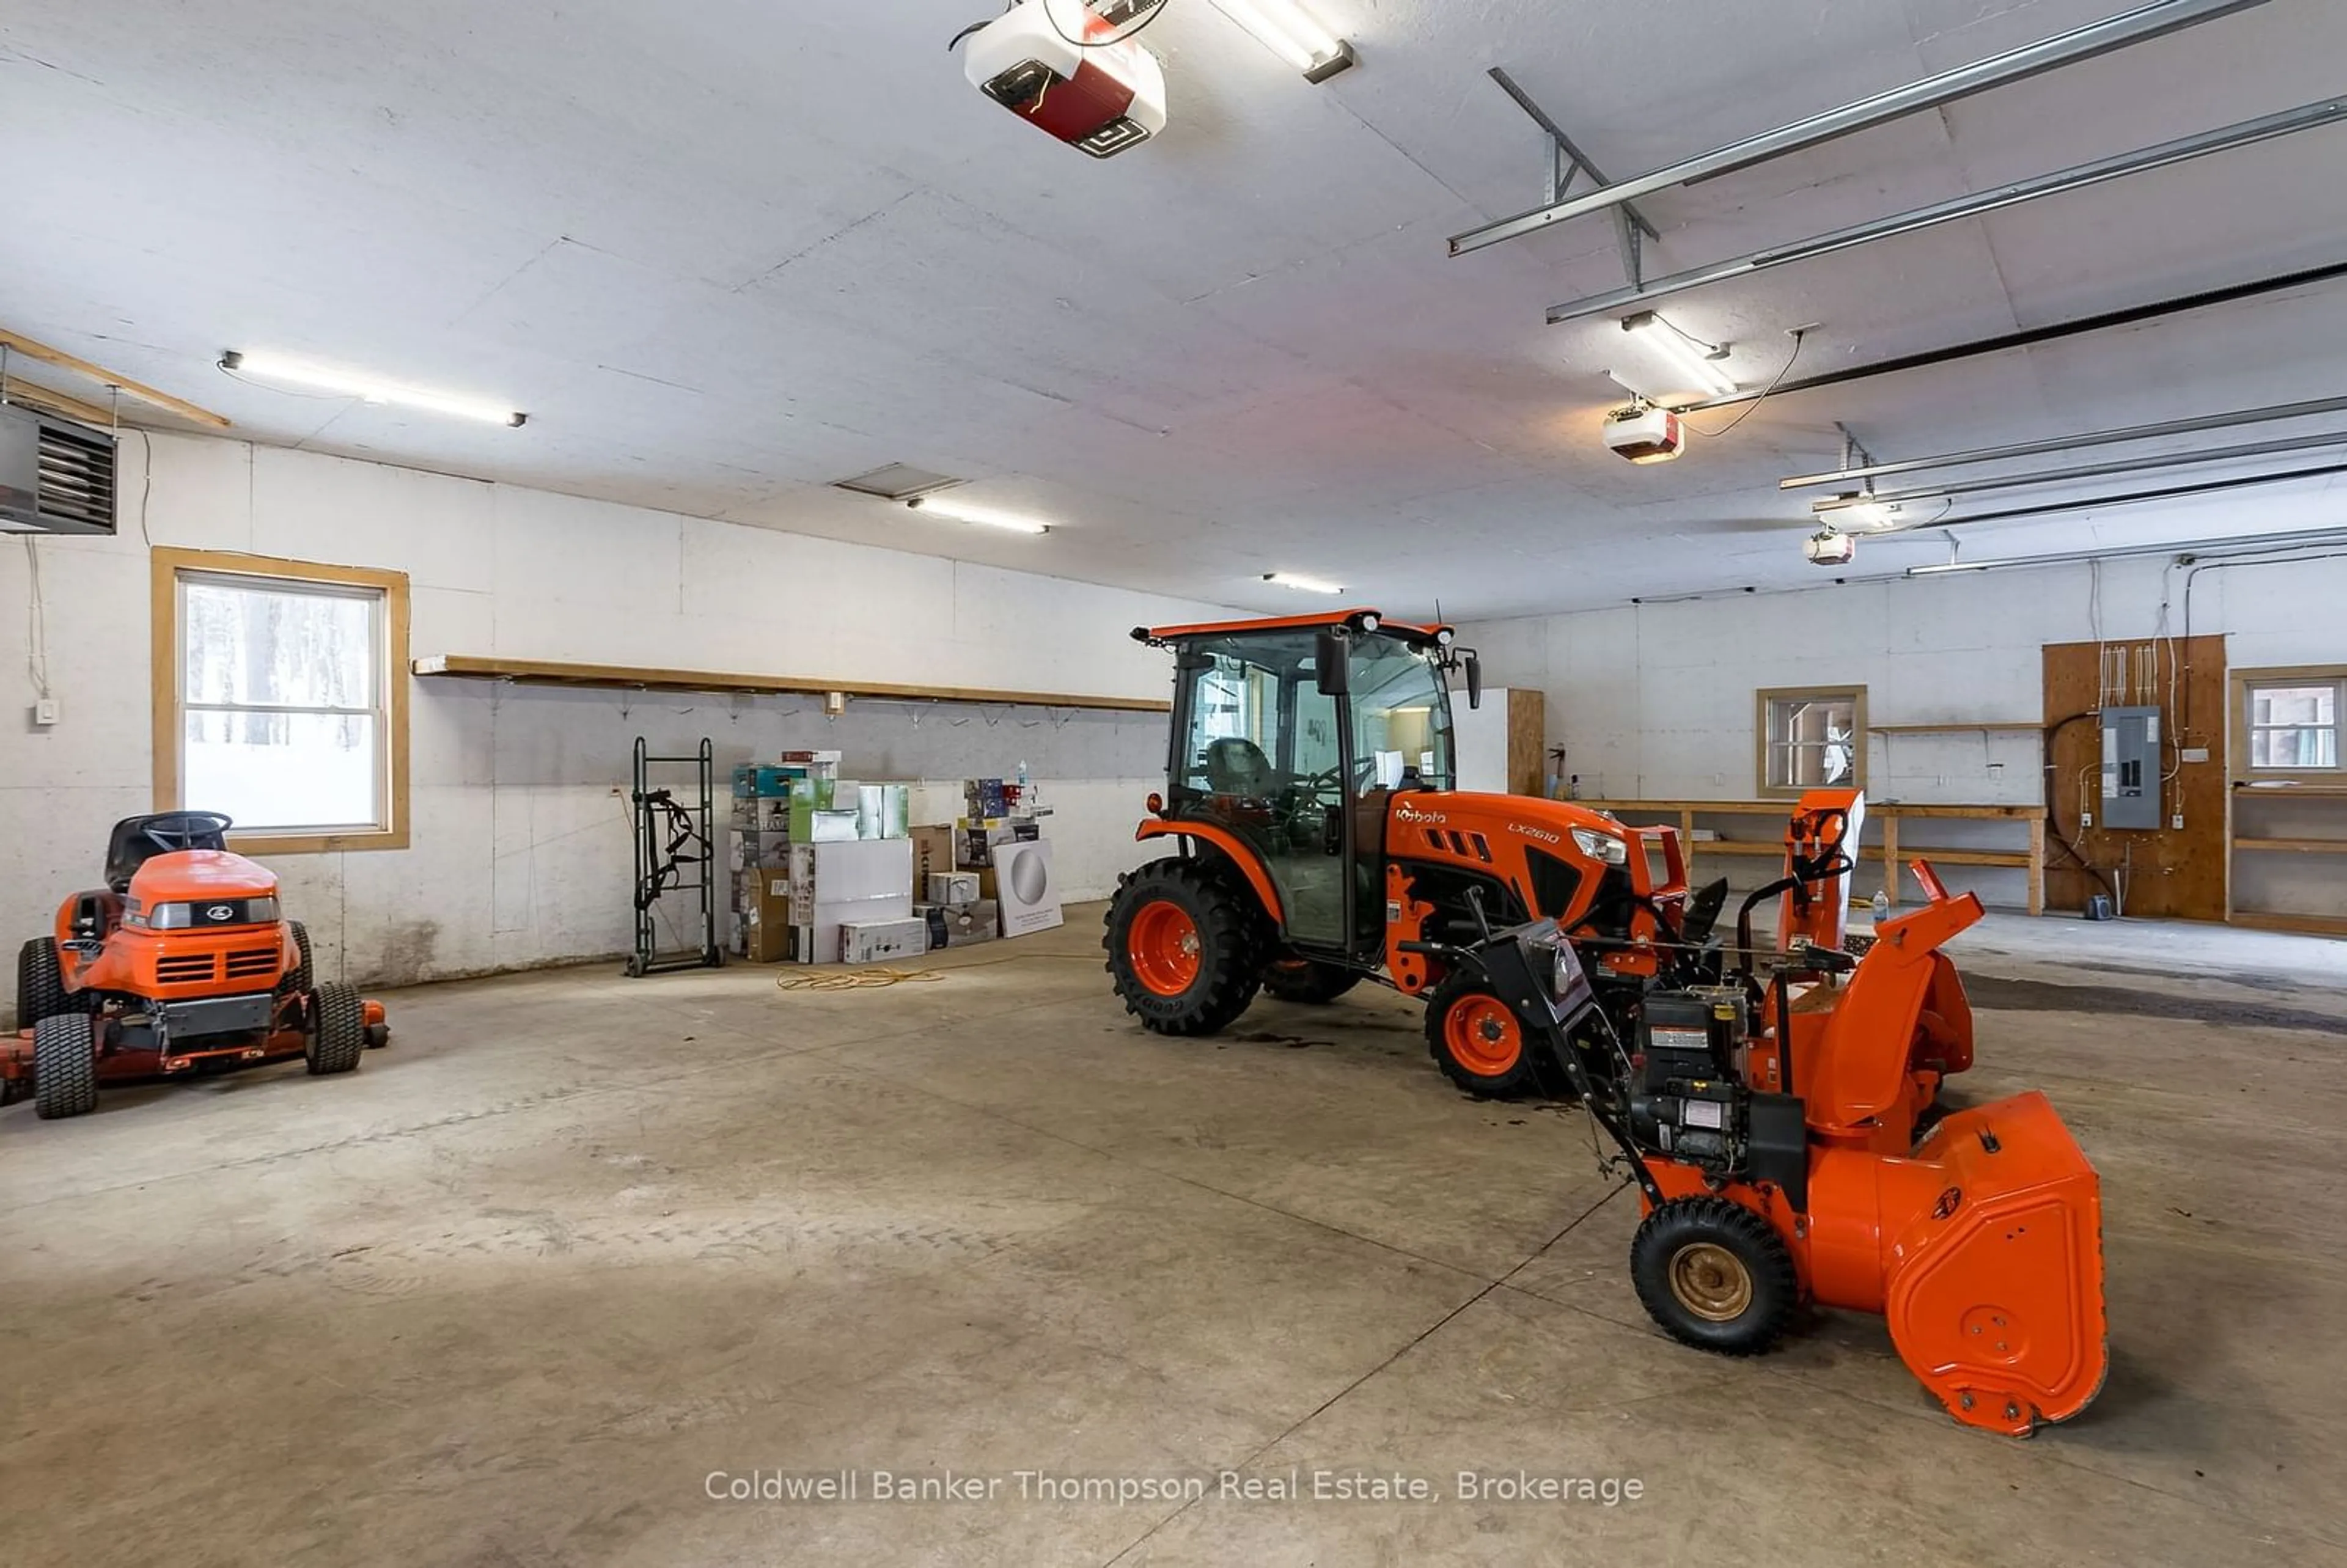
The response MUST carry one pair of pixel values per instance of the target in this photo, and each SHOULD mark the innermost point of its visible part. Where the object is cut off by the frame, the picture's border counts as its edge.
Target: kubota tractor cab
(1312, 789)
(181, 964)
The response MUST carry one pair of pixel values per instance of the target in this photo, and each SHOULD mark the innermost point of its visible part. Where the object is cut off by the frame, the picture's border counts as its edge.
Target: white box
(868, 941)
(1024, 887)
(953, 888)
(853, 872)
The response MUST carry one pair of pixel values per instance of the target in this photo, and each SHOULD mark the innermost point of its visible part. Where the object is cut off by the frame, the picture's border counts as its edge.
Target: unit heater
(56, 477)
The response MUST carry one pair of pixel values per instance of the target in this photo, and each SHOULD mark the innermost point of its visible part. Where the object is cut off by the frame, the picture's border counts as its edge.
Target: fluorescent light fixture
(1303, 584)
(1859, 510)
(1685, 354)
(2181, 549)
(1282, 26)
(985, 517)
(366, 388)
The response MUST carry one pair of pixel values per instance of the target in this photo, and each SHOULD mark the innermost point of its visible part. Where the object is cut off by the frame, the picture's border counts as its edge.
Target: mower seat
(133, 842)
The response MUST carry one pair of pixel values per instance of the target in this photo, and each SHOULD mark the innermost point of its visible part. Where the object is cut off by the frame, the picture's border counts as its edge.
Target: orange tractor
(180, 965)
(1780, 1112)
(1311, 794)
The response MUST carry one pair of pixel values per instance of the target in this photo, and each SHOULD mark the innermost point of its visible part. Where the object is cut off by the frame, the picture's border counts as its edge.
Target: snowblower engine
(1689, 1102)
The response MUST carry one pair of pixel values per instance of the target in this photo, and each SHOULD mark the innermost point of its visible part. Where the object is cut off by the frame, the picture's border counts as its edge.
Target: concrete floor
(510, 1293)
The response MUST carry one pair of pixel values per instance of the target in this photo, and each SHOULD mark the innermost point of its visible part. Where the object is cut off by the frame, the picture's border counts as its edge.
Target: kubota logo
(1539, 833)
(221, 912)
(1410, 813)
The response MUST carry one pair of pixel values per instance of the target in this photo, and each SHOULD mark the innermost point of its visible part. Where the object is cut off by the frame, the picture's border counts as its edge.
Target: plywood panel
(1527, 741)
(2172, 873)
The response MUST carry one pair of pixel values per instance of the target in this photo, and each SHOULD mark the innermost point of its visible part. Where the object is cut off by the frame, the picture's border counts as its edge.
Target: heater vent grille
(56, 477)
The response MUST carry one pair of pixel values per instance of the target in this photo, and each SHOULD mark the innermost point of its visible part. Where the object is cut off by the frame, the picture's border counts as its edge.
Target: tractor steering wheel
(174, 831)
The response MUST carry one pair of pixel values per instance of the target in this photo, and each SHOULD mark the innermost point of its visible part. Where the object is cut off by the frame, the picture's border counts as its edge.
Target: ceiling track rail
(2095, 38)
(2055, 445)
(2080, 177)
(1826, 508)
(2030, 337)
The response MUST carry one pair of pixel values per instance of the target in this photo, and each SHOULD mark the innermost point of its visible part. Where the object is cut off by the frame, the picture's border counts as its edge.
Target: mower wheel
(1715, 1275)
(40, 984)
(65, 1065)
(1308, 981)
(1477, 1040)
(1184, 948)
(337, 1028)
(296, 983)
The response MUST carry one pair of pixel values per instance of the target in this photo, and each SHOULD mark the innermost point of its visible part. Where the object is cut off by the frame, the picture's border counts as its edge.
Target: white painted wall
(520, 851)
(1656, 701)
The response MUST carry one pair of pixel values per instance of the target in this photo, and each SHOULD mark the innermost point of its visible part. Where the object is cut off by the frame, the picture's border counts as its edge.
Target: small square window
(1812, 739)
(2293, 724)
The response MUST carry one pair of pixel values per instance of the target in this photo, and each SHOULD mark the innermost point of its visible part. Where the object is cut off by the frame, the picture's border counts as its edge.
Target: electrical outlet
(2196, 754)
(2177, 822)
(2086, 819)
(45, 712)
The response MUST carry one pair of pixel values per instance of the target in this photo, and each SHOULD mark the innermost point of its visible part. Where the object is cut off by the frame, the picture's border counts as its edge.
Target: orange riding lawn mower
(180, 965)
(1779, 1111)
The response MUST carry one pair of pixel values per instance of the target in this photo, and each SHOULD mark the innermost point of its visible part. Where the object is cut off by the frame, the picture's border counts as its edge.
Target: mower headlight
(171, 917)
(260, 911)
(1602, 846)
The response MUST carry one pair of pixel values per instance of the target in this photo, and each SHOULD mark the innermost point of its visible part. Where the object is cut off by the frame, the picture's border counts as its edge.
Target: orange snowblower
(1786, 1139)
(180, 966)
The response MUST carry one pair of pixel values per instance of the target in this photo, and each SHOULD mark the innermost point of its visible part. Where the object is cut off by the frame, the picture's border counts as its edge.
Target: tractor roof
(1361, 618)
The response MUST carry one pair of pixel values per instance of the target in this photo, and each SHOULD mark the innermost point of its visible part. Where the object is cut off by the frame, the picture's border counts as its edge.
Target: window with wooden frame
(2287, 722)
(1810, 737)
(281, 698)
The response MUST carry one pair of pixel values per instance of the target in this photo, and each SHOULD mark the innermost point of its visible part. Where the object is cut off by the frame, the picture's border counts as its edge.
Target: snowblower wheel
(1715, 1275)
(337, 1028)
(64, 1066)
(1477, 1040)
(1184, 948)
(1308, 981)
(40, 983)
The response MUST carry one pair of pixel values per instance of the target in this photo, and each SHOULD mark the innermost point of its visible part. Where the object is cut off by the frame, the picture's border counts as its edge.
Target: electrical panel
(2131, 782)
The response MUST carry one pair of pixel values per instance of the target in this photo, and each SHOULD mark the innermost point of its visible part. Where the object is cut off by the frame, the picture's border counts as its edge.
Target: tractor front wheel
(1715, 1275)
(297, 979)
(337, 1028)
(64, 1066)
(1183, 948)
(1477, 1040)
(1308, 981)
(40, 983)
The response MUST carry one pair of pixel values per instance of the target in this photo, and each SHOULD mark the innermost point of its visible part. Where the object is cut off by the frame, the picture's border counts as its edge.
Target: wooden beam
(33, 395)
(2316, 925)
(17, 343)
(632, 677)
(2294, 846)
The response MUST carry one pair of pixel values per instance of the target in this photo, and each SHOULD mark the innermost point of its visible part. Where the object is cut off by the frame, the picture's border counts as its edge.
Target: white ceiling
(729, 252)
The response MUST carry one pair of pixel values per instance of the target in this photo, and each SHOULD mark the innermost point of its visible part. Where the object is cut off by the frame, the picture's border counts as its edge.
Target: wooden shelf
(1875, 810)
(2244, 790)
(2016, 726)
(2311, 925)
(632, 678)
(2014, 859)
(2293, 845)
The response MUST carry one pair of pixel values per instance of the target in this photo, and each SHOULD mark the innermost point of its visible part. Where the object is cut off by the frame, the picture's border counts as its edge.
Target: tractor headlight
(260, 911)
(171, 917)
(1602, 846)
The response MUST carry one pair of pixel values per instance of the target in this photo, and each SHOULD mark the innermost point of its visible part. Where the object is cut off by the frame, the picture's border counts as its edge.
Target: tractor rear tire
(64, 1066)
(1715, 1276)
(337, 1028)
(1308, 981)
(41, 985)
(1477, 1040)
(1185, 947)
(297, 980)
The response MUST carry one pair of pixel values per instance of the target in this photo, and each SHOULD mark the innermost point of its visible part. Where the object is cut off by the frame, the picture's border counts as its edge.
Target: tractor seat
(1237, 765)
(135, 840)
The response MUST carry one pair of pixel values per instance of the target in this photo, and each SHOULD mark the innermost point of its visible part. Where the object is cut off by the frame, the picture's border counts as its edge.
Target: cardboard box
(933, 851)
(870, 941)
(764, 781)
(763, 898)
(1024, 885)
(854, 872)
(952, 888)
(831, 828)
(882, 810)
(961, 925)
(987, 797)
